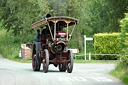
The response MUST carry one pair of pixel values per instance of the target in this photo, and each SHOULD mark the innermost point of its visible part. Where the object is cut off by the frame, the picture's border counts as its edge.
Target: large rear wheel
(45, 61)
(70, 63)
(36, 59)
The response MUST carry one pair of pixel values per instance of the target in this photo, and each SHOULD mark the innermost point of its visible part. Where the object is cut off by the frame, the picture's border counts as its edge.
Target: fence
(90, 56)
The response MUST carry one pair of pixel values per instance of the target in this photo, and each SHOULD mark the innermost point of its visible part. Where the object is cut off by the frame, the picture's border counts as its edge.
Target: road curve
(13, 73)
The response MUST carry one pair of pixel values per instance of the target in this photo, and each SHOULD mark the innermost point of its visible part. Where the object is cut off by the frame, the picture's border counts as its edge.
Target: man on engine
(37, 36)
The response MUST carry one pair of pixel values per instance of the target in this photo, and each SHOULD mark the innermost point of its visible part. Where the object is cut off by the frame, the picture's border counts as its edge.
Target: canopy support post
(67, 31)
(55, 31)
(50, 29)
(72, 31)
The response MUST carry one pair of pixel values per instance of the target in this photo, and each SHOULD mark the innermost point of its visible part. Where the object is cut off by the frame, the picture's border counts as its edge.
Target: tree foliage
(95, 16)
(124, 39)
(19, 15)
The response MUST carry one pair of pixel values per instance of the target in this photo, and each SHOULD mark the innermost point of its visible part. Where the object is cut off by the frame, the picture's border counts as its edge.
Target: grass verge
(121, 72)
(96, 61)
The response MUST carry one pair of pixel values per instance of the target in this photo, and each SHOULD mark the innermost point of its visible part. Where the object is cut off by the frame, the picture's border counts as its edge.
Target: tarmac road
(13, 73)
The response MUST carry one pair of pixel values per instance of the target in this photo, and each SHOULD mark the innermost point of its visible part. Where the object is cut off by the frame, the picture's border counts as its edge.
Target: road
(14, 73)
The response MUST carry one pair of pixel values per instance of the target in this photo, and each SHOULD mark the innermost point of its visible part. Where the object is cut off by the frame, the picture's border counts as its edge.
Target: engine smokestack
(46, 16)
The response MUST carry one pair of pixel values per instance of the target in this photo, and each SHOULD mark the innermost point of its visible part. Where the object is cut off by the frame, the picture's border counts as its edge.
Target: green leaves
(124, 39)
(19, 15)
(95, 16)
(105, 43)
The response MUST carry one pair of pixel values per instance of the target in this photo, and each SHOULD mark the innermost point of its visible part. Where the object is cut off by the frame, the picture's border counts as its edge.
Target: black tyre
(36, 59)
(70, 63)
(62, 67)
(45, 61)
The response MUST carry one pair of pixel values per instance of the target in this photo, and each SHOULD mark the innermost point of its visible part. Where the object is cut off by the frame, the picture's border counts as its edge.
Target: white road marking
(90, 71)
(65, 79)
(99, 79)
(95, 78)
(104, 79)
(79, 79)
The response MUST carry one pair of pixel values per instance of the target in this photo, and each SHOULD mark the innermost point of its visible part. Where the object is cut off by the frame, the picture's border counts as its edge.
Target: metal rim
(33, 59)
(46, 61)
(35, 65)
(70, 63)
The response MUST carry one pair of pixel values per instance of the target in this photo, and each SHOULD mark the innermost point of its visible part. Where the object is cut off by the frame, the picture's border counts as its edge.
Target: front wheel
(70, 63)
(45, 61)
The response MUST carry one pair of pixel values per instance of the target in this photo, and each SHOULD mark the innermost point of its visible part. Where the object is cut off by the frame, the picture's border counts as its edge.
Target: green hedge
(107, 43)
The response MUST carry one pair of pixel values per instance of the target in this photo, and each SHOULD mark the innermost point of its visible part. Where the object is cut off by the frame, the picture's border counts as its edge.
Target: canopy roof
(52, 20)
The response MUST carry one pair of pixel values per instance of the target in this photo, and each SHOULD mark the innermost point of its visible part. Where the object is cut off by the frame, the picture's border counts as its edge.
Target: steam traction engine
(53, 48)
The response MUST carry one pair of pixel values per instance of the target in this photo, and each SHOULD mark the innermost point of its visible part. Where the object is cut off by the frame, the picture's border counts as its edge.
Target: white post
(85, 46)
(75, 56)
(20, 55)
(89, 56)
(85, 39)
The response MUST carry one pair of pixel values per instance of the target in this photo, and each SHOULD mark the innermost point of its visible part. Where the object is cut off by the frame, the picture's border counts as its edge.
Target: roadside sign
(89, 38)
(74, 50)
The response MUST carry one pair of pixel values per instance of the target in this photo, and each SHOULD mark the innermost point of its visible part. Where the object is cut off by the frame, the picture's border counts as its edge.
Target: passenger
(37, 36)
(45, 32)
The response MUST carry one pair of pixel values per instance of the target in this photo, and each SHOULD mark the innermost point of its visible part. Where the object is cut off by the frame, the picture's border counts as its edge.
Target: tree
(103, 15)
(94, 15)
(58, 7)
(124, 39)
(19, 15)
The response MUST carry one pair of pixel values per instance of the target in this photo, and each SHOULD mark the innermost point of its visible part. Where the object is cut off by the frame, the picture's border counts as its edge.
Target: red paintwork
(61, 42)
(59, 36)
(64, 55)
(53, 58)
(58, 61)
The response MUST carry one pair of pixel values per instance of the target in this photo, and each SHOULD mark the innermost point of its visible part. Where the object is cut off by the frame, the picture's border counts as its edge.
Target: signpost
(85, 39)
(74, 50)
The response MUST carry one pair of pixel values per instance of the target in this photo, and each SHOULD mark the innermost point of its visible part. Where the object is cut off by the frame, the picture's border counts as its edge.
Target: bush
(8, 48)
(107, 43)
(11, 44)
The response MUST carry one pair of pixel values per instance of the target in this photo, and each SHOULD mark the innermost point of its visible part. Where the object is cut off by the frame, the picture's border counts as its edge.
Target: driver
(37, 36)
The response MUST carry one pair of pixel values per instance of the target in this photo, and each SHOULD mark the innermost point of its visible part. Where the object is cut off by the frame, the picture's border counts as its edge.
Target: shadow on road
(49, 71)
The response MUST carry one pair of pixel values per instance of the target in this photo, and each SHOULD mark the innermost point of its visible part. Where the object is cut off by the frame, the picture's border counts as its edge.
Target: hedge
(107, 43)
